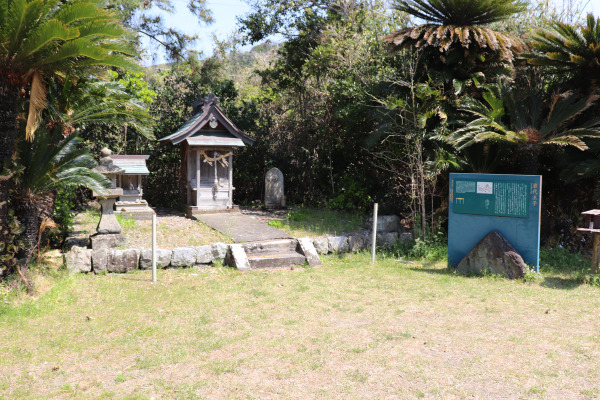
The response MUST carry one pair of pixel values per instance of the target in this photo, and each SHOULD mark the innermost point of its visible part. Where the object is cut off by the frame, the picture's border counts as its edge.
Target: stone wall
(82, 259)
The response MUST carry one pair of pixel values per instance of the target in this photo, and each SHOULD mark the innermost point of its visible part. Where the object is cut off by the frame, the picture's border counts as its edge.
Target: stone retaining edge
(81, 259)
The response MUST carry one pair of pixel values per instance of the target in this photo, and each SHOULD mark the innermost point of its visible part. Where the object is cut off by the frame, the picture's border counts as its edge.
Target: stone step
(276, 260)
(270, 247)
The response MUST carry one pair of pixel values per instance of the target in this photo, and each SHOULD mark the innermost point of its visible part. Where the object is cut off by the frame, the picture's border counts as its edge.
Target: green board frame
(470, 221)
(500, 198)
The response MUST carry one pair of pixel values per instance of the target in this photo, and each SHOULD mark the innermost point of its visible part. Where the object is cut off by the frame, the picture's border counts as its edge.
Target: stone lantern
(108, 233)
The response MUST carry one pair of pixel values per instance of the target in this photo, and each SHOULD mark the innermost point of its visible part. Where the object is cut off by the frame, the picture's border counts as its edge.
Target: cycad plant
(527, 119)
(40, 39)
(573, 50)
(84, 102)
(455, 34)
(50, 162)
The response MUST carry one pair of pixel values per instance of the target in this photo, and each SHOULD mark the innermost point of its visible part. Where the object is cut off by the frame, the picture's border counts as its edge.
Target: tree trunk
(528, 157)
(8, 122)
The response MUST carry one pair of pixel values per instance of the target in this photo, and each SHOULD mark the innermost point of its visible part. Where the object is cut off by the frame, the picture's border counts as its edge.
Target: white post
(230, 181)
(154, 248)
(198, 178)
(374, 237)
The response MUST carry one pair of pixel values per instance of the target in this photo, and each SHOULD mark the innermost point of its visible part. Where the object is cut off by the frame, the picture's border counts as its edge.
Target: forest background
(358, 102)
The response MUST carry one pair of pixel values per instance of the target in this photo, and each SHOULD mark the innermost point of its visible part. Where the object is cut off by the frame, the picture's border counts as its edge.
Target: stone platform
(241, 228)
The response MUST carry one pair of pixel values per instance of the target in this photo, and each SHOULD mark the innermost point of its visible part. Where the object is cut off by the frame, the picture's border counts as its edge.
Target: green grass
(349, 329)
(318, 221)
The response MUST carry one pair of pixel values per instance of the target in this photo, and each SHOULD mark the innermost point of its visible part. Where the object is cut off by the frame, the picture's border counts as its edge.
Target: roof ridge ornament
(204, 103)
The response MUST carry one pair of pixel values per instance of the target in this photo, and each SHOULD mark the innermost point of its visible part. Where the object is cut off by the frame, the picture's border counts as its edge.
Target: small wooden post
(592, 225)
(154, 248)
(374, 237)
(596, 254)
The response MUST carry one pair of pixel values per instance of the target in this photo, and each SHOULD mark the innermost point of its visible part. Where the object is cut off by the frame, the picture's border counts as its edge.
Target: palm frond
(460, 12)
(37, 102)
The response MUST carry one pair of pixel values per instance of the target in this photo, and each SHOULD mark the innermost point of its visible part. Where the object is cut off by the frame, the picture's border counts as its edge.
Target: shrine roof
(214, 139)
(210, 122)
(131, 164)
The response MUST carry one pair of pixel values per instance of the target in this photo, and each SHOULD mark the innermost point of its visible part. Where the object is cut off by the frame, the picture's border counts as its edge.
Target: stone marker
(495, 255)
(308, 249)
(274, 195)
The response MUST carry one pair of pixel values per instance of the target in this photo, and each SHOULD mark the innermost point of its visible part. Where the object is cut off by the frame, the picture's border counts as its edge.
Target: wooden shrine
(131, 202)
(208, 140)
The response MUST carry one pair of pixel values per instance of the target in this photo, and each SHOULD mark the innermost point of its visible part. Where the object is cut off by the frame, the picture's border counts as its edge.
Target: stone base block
(139, 214)
(79, 260)
(108, 241)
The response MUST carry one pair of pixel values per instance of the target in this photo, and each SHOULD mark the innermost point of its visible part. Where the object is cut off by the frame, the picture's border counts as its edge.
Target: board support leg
(596, 254)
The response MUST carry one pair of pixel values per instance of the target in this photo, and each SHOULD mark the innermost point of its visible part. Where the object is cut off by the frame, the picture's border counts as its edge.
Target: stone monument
(108, 233)
(274, 197)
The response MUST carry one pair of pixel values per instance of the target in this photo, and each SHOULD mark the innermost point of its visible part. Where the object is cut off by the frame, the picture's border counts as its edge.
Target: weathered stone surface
(79, 259)
(183, 257)
(387, 239)
(219, 250)
(236, 257)
(321, 245)
(108, 222)
(78, 240)
(204, 254)
(496, 255)
(108, 241)
(337, 244)
(356, 243)
(274, 194)
(163, 258)
(123, 260)
(100, 260)
(385, 223)
(308, 249)
(405, 236)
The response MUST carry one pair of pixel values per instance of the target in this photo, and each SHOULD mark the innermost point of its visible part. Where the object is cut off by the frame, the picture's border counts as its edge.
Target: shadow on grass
(556, 282)
(552, 282)
(429, 267)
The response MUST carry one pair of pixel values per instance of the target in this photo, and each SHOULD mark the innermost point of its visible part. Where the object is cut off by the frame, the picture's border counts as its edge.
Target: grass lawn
(347, 329)
(302, 222)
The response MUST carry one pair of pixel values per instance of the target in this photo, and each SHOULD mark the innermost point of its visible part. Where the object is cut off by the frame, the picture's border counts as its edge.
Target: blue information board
(482, 203)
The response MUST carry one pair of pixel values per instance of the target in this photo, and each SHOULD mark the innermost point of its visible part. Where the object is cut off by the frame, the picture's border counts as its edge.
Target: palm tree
(529, 120)
(455, 34)
(79, 103)
(572, 50)
(41, 39)
(48, 163)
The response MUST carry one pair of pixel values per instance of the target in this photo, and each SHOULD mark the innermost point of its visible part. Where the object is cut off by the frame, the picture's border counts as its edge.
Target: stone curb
(80, 259)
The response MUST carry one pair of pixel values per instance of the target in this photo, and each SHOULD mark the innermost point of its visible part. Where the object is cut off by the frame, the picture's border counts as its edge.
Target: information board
(499, 198)
(482, 203)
